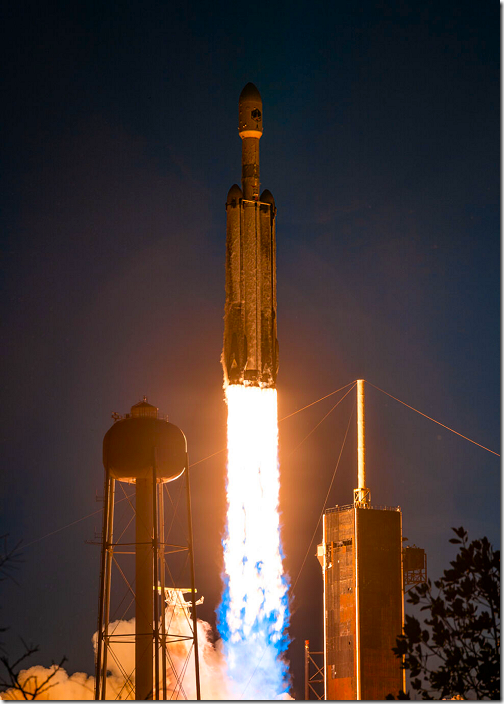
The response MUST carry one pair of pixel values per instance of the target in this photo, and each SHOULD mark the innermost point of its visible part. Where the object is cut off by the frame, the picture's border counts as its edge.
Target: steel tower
(361, 558)
(148, 452)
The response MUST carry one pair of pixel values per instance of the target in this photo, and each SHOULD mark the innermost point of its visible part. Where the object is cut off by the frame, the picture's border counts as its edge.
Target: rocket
(250, 353)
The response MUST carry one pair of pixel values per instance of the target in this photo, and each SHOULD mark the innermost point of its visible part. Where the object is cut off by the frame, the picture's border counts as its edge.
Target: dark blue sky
(381, 147)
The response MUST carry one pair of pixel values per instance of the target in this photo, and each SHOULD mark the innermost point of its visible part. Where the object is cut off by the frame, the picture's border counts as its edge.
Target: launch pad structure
(148, 452)
(365, 569)
(362, 601)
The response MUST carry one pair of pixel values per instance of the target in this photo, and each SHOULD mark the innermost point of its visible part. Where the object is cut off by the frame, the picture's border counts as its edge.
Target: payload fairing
(250, 354)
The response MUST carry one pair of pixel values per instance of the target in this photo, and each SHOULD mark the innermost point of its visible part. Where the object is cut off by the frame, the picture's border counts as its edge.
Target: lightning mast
(362, 495)
(361, 558)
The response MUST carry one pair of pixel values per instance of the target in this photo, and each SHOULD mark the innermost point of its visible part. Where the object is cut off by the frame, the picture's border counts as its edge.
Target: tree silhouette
(457, 654)
(12, 678)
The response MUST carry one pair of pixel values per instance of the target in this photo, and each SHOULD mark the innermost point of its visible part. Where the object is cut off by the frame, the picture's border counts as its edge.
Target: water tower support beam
(144, 591)
(155, 545)
(163, 597)
(104, 600)
(193, 588)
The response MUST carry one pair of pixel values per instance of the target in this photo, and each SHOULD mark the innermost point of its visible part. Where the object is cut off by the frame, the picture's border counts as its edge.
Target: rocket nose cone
(234, 195)
(250, 94)
(267, 197)
(250, 112)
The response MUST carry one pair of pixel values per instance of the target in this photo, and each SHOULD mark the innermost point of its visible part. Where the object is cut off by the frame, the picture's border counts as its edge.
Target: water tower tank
(140, 439)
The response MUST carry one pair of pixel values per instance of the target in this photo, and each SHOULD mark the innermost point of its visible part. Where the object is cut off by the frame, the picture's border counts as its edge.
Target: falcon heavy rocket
(250, 354)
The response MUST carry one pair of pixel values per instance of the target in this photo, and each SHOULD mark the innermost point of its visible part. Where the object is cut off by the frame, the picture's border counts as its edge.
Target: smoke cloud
(215, 682)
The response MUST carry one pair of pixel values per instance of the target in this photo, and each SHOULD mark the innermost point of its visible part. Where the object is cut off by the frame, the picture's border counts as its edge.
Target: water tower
(148, 452)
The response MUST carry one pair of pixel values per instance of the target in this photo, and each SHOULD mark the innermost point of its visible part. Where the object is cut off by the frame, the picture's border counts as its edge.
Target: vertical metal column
(162, 582)
(155, 555)
(104, 600)
(361, 435)
(313, 681)
(144, 591)
(324, 577)
(108, 575)
(193, 589)
(306, 670)
(361, 494)
(402, 605)
(357, 606)
(99, 642)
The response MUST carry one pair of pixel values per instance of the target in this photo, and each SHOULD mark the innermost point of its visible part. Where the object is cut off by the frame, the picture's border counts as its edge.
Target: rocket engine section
(250, 354)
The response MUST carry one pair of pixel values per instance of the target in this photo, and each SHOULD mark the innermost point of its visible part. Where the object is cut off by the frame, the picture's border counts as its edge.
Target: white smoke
(60, 687)
(215, 682)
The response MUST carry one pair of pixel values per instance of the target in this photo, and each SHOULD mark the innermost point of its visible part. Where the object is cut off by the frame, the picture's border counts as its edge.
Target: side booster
(250, 354)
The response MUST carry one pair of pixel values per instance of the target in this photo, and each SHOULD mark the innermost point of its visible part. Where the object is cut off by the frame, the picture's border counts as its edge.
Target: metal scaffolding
(156, 531)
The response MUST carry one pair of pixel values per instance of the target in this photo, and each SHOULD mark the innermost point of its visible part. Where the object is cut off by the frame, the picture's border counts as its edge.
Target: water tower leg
(162, 583)
(105, 574)
(193, 587)
(155, 545)
(144, 590)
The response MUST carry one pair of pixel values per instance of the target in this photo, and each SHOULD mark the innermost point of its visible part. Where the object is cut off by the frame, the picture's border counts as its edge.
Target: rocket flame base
(254, 614)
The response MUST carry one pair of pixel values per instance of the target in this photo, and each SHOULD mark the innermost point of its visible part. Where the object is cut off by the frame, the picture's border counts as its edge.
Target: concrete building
(363, 601)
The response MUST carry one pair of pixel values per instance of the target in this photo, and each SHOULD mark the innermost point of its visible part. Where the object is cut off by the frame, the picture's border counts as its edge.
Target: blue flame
(255, 662)
(253, 616)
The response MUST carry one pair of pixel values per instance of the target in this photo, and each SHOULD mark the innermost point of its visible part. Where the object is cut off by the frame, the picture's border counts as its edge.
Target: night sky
(119, 145)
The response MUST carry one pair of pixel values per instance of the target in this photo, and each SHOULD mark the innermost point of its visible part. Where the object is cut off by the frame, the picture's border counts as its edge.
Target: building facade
(361, 557)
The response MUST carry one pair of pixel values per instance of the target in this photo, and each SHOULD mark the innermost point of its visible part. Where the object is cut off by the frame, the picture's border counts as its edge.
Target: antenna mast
(362, 495)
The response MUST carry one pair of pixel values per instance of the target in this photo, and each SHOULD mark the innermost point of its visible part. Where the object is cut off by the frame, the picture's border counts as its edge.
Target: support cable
(219, 452)
(325, 500)
(321, 421)
(204, 459)
(352, 383)
(69, 525)
(321, 514)
(193, 464)
(433, 419)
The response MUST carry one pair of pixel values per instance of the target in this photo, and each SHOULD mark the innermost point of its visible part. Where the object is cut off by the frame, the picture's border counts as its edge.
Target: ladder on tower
(314, 674)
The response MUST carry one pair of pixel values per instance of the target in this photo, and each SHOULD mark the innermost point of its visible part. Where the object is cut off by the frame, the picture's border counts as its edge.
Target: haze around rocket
(250, 352)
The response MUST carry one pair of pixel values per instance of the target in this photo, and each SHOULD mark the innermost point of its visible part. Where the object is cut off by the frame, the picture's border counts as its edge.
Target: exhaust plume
(253, 615)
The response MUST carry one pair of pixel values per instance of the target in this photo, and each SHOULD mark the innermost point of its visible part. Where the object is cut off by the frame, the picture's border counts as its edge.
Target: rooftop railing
(347, 507)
